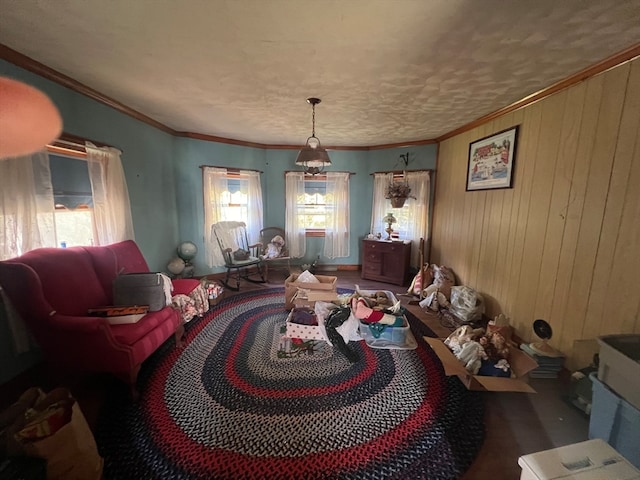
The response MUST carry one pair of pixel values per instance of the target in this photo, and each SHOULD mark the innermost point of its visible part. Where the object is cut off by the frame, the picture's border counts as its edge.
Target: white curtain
(336, 239)
(26, 205)
(254, 205)
(294, 226)
(380, 205)
(111, 206)
(416, 210)
(26, 222)
(215, 185)
(418, 227)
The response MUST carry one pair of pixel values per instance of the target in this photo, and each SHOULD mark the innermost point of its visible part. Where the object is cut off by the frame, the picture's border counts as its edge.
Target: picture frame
(491, 161)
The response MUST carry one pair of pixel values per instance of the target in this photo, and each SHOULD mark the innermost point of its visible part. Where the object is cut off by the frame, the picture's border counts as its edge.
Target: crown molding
(42, 70)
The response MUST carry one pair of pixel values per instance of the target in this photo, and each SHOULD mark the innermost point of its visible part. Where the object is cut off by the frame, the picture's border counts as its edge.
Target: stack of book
(549, 363)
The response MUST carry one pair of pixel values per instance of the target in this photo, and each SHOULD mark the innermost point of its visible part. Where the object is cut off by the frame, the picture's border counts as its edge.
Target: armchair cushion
(129, 334)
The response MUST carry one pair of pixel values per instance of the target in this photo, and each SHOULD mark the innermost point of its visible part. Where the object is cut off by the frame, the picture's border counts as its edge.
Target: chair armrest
(256, 249)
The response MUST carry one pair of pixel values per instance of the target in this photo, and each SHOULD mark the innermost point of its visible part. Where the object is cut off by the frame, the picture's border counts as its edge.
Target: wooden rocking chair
(241, 259)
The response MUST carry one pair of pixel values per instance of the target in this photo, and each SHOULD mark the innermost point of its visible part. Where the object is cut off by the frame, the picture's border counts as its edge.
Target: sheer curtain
(26, 205)
(418, 227)
(380, 205)
(294, 195)
(215, 185)
(26, 222)
(416, 210)
(254, 205)
(336, 239)
(111, 206)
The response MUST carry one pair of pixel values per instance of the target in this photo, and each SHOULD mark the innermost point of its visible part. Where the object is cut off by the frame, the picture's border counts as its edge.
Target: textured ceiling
(387, 71)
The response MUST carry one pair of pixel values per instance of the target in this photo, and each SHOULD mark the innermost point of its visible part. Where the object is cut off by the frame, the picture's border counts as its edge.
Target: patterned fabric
(230, 405)
(193, 305)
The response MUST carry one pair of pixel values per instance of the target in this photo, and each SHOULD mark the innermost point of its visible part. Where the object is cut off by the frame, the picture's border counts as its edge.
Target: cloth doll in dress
(274, 248)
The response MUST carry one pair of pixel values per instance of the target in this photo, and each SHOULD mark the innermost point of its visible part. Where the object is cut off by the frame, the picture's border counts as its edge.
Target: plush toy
(495, 346)
(437, 295)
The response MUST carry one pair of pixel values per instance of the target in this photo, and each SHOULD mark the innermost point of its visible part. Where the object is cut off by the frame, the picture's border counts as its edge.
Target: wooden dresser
(386, 261)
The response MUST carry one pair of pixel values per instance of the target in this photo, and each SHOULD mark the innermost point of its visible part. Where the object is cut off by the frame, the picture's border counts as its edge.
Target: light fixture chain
(313, 119)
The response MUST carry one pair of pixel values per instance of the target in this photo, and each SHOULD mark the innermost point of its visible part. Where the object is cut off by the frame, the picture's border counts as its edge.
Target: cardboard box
(325, 290)
(520, 362)
(305, 332)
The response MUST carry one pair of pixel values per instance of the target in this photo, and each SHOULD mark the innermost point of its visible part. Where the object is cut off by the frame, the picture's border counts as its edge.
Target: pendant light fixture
(312, 156)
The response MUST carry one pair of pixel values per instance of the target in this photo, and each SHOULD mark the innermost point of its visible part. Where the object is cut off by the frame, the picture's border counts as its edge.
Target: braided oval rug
(239, 402)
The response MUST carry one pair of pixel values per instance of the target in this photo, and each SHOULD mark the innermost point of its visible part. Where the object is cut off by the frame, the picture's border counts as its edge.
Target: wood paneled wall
(564, 243)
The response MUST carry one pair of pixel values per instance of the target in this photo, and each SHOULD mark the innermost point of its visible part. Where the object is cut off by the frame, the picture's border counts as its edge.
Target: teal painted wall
(165, 183)
(190, 154)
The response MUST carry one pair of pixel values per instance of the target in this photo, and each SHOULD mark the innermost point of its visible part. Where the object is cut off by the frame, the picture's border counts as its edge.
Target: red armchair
(52, 290)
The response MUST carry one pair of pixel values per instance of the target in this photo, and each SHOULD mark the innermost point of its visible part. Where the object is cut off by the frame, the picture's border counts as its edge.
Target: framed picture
(491, 161)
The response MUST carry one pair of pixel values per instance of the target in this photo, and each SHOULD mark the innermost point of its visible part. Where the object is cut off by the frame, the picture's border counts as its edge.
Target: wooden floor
(516, 423)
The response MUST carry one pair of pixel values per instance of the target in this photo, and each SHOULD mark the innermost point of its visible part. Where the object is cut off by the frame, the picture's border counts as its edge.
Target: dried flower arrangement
(397, 189)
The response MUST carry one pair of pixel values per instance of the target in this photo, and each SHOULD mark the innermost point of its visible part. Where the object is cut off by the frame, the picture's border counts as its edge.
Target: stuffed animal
(437, 295)
(495, 346)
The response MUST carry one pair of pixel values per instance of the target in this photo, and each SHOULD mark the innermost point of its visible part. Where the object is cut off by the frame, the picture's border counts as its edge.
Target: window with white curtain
(413, 217)
(29, 194)
(318, 205)
(230, 195)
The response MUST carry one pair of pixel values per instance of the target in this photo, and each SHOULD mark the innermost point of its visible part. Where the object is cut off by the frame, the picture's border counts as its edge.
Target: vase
(398, 202)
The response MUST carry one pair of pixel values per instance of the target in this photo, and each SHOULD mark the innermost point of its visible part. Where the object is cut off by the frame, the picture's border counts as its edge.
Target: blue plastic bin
(615, 421)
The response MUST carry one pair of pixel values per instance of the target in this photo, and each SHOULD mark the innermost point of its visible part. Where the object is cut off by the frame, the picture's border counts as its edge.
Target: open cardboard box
(325, 290)
(520, 362)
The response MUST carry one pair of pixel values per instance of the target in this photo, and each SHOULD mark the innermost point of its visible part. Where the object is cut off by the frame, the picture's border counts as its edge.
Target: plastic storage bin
(399, 338)
(590, 460)
(615, 421)
(619, 365)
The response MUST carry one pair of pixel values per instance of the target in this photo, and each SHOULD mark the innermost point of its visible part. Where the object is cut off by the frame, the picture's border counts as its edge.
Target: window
(318, 206)
(412, 218)
(312, 207)
(230, 195)
(28, 197)
(234, 200)
(73, 201)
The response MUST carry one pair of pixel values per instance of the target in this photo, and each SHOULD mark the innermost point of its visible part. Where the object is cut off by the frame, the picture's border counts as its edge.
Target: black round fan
(544, 331)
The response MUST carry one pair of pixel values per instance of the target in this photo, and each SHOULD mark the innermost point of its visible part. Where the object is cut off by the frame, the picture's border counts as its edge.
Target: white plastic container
(590, 460)
(619, 365)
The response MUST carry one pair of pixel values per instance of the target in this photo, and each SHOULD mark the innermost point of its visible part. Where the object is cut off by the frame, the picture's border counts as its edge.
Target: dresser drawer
(385, 261)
